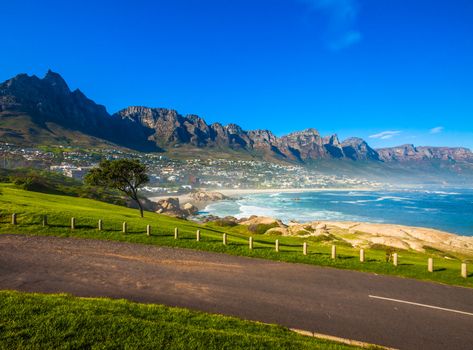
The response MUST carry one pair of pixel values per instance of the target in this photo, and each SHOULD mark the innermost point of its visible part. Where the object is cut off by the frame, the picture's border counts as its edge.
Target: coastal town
(171, 176)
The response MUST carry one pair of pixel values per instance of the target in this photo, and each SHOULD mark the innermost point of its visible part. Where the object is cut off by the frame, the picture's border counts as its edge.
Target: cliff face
(49, 102)
(412, 153)
(169, 128)
(30, 106)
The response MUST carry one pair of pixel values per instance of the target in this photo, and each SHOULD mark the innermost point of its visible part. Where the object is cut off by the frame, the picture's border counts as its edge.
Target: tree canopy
(125, 175)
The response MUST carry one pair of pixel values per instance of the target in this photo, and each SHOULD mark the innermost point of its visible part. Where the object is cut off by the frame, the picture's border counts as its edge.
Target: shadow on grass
(345, 257)
(440, 269)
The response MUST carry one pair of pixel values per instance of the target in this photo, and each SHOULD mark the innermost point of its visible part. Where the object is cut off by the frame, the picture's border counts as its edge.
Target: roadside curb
(340, 340)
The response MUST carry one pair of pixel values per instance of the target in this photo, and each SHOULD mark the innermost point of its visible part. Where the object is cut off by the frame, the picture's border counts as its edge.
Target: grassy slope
(37, 321)
(30, 207)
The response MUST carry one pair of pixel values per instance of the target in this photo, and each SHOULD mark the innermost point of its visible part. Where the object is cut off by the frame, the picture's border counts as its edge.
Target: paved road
(323, 300)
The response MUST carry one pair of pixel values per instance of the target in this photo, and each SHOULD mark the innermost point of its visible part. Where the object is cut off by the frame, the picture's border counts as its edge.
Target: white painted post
(334, 251)
(224, 238)
(124, 227)
(13, 219)
(362, 255)
(176, 233)
(464, 271)
(250, 243)
(430, 265)
(277, 245)
(395, 259)
(148, 230)
(197, 236)
(304, 248)
(100, 225)
(45, 220)
(73, 223)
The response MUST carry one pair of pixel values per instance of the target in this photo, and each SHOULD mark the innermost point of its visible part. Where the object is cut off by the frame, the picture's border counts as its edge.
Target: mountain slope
(34, 110)
(45, 111)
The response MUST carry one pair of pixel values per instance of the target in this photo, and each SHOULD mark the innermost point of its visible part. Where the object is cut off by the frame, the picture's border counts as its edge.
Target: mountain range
(45, 111)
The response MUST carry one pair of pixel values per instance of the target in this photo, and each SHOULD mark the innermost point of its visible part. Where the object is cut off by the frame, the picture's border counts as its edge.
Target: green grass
(31, 206)
(40, 321)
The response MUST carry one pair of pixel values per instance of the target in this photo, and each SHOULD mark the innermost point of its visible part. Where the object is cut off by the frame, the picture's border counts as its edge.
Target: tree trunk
(141, 207)
(137, 200)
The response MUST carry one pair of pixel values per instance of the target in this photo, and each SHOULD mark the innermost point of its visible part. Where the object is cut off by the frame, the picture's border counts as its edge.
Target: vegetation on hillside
(30, 208)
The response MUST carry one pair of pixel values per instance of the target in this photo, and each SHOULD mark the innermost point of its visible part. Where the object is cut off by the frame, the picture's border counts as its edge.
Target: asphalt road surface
(390, 311)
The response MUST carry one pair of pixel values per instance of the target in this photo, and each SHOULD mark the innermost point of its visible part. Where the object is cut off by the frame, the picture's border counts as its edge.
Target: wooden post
(334, 251)
(148, 230)
(277, 245)
(100, 225)
(224, 237)
(430, 265)
(73, 223)
(395, 259)
(124, 227)
(250, 243)
(45, 220)
(464, 271)
(13, 219)
(362, 255)
(176, 233)
(197, 236)
(304, 248)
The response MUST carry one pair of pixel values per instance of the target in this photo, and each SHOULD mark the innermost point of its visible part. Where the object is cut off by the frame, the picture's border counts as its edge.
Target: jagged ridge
(48, 102)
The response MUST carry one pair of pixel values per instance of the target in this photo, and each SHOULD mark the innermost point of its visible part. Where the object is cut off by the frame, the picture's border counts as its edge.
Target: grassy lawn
(31, 206)
(59, 321)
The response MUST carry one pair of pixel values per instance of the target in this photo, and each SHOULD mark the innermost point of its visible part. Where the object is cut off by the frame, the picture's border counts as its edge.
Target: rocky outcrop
(366, 235)
(204, 196)
(411, 153)
(171, 206)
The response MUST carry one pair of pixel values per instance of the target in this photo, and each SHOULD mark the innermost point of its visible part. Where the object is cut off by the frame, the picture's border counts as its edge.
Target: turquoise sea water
(448, 210)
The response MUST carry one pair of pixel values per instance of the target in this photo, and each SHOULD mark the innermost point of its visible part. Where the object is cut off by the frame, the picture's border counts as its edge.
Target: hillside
(36, 111)
(31, 207)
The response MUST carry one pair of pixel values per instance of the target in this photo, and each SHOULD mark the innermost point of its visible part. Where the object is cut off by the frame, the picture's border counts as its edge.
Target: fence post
(100, 226)
(362, 255)
(334, 251)
(250, 243)
(224, 237)
(148, 230)
(304, 248)
(430, 265)
(45, 220)
(464, 271)
(124, 227)
(395, 259)
(197, 236)
(13, 219)
(176, 233)
(73, 223)
(277, 245)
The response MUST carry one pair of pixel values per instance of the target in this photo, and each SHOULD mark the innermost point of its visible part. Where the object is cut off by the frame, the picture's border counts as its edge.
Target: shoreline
(232, 193)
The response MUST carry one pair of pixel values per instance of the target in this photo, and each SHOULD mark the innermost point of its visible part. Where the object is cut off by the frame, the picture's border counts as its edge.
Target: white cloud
(436, 130)
(342, 15)
(384, 135)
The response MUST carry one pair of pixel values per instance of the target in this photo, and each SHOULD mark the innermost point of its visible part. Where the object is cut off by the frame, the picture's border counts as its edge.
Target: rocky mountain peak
(56, 82)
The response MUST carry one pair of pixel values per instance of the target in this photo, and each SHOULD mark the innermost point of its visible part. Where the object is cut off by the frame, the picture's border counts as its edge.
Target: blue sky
(390, 71)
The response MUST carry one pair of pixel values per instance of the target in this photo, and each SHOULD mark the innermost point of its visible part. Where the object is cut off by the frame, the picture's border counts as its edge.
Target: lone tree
(125, 175)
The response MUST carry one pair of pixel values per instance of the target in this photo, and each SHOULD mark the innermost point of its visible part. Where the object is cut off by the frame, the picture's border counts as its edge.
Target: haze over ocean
(449, 210)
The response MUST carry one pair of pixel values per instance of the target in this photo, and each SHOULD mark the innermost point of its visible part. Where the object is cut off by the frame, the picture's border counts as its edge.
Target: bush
(260, 229)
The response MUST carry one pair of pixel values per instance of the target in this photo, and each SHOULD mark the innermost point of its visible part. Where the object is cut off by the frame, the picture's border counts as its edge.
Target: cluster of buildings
(175, 175)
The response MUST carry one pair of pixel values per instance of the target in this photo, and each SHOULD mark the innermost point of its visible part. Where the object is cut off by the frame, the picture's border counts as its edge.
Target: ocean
(447, 210)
